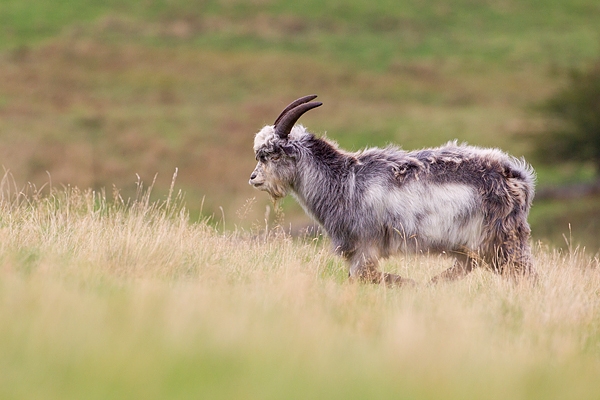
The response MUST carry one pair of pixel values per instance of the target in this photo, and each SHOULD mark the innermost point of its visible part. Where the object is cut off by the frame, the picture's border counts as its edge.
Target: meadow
(105, 298)
(119, 281)
(94, 93)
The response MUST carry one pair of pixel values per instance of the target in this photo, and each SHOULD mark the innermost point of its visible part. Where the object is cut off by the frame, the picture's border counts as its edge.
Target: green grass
(109, 299)
(93, 93)
(358, 31)
(564, 222)
(119, 299)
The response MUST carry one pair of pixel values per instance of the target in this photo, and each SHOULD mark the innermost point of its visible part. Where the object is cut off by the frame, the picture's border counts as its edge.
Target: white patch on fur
(266, 136)
(435, 214)
(297, 132)
(474, 151)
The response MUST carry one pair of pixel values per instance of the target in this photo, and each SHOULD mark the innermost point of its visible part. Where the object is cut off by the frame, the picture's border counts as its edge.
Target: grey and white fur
(469, 202)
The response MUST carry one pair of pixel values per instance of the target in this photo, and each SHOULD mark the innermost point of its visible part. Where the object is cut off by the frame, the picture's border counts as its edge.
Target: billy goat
(468, 202)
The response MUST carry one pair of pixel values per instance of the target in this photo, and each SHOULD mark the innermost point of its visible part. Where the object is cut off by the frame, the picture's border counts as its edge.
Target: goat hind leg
(516, 261)
(519, 270)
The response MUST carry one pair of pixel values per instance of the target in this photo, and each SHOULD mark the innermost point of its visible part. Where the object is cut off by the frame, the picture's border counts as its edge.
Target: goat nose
(253, 176)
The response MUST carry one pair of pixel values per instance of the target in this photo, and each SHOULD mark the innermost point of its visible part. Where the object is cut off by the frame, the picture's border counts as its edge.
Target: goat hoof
(397, 281)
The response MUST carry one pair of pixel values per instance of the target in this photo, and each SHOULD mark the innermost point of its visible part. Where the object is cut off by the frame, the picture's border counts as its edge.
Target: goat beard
(277, 192)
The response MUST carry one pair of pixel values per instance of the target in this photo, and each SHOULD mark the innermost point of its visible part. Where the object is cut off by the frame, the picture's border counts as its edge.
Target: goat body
(466, 201)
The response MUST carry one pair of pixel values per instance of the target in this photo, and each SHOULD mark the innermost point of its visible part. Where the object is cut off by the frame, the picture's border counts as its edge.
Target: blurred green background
(93, 94)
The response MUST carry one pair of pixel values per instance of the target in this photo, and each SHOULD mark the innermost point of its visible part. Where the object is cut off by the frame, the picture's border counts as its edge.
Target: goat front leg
(464, 263)
(365, 269)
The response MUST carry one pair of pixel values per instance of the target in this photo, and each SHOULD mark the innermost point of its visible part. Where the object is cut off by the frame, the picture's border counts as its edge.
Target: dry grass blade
(131, 296)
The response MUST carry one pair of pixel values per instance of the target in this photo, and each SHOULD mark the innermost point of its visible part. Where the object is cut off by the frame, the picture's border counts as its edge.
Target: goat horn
(287, 122)
(295, 104)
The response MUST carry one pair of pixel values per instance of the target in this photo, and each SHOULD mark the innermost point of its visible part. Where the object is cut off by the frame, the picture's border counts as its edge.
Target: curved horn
(294, 104)
(285, 125)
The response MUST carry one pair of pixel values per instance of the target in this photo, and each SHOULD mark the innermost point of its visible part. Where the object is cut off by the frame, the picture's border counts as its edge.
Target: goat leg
(463, 264)
(366, 270)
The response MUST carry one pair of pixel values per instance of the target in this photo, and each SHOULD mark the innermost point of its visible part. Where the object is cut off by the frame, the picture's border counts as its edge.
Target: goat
(468, 202)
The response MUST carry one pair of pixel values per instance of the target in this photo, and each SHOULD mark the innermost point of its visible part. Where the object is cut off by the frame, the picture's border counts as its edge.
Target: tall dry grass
(103, 297)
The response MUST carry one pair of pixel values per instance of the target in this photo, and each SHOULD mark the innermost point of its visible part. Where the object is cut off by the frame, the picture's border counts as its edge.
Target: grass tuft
(105, 297)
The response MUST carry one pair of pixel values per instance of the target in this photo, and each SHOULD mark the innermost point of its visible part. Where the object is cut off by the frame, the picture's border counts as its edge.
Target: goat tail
(520, 179)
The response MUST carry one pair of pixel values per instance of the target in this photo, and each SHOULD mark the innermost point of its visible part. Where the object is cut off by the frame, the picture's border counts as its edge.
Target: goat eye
(275, 157)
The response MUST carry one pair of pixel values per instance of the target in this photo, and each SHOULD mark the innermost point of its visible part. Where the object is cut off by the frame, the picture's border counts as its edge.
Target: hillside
(92, 94)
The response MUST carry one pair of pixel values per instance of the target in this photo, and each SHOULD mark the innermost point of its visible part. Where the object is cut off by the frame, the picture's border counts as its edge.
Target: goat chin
(469, 202)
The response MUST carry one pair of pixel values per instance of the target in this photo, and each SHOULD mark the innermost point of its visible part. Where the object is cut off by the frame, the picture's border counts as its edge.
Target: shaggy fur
(465, 201)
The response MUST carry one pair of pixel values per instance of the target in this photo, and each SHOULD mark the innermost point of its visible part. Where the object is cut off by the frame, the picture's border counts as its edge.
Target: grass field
(93, 93)
(188, 292)
(108, 299)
